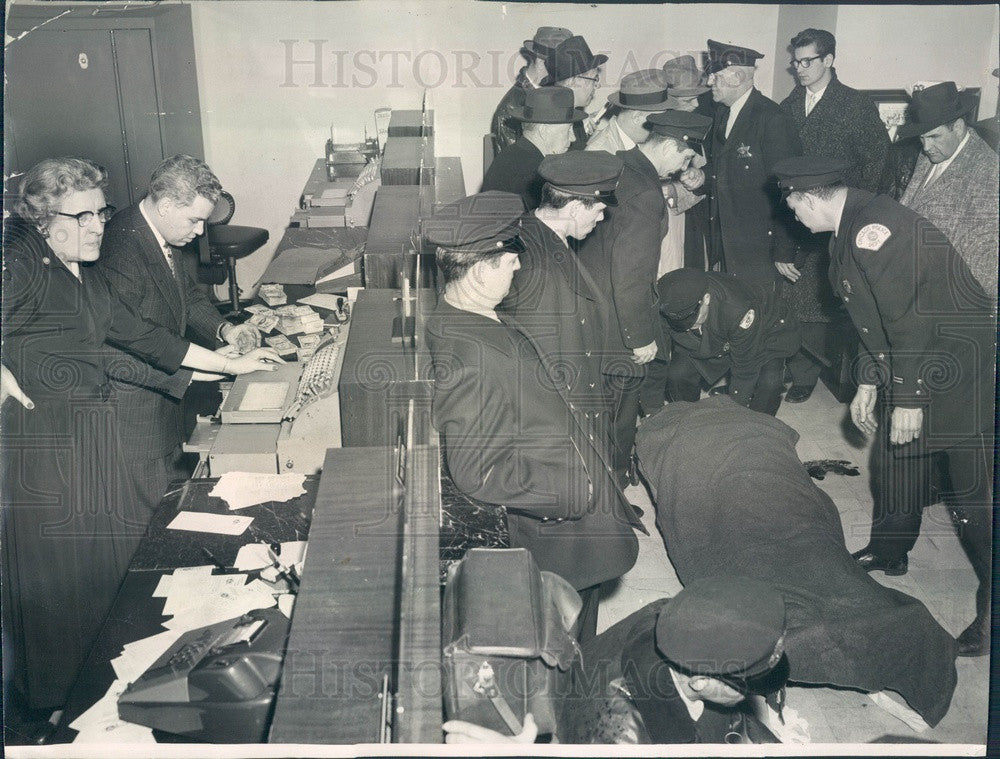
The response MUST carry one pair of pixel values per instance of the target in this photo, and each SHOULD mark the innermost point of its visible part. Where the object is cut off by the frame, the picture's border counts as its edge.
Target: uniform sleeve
(542, 478)
(781, 140)
(895, 279)
(745, 332)
(635, 254)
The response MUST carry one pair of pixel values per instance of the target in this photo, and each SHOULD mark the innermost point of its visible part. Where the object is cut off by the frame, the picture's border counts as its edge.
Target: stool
(227, 243)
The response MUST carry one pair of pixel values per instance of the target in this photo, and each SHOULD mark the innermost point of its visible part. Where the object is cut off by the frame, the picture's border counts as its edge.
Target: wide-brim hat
(723, 54)
(548, 105)
(729, 627)
(644, 90)
(545, 41)
(684, 77)
(571, 58)
(933, 106)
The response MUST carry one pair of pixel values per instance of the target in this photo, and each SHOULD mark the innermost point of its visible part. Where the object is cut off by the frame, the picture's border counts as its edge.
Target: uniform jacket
(516, 170)
(962, 202)
(844, 124)
(557, 303)
(513, 438)
(149, 400)
(622, 254)
(928, 330)
(505, 129)
(746, 327)
(750, 224)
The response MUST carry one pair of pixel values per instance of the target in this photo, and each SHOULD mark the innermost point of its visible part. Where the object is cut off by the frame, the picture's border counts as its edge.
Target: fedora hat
(548, 105)
(571, 58)
(545, 41)
(933, 106)
(684, 77)
(644, 90)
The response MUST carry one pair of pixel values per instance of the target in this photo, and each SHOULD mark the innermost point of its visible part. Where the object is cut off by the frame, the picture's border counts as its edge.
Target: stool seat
(229, 241)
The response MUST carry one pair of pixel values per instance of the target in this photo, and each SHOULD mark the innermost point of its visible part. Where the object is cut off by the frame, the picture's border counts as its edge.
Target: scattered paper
(100, 723)
(255, 555)
(221, 524)
(242, 489)
(285, 604)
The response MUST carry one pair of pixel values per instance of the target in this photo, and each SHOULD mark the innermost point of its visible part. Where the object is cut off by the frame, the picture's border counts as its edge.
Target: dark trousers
(804, 367)
(684, 383)
(624, 394)
(904, 485)
(586, 623)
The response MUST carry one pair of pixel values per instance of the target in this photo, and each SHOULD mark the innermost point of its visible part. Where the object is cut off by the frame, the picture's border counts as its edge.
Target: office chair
(227, 242)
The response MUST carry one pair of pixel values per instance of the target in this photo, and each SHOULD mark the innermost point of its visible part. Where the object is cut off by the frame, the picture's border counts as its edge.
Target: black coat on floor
(732, 497)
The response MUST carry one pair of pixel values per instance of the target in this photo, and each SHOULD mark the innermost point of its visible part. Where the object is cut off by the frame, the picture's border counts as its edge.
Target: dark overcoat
(750, 224)
(844, 124)
(622, 254)
(555, 300)
(516, 170)
(512, 438)
(745, 328)
(70, 523)
(503, 126)
(927, 328)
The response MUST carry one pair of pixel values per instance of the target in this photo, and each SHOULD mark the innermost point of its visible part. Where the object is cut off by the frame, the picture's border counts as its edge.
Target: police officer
(553, 297)
(719, 324)
(928, 343)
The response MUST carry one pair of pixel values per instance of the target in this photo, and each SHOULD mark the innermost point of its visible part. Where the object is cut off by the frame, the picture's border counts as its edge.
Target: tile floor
(940, 576)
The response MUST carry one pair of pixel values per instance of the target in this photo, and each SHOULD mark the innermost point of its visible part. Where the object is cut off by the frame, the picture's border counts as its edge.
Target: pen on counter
(211, 557)
(286, 573)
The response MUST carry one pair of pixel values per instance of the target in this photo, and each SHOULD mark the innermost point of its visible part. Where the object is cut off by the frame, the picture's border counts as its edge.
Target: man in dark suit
(836, 121)
(536, 51)
(141, 261)
(553, 297)
(751, 132)
(718, 324)
(928, 341)
(511, 436)
(622, 256)
(548, 116)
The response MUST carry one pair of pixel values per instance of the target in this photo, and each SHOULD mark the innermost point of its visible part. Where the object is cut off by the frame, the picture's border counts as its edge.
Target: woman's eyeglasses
(85, 217)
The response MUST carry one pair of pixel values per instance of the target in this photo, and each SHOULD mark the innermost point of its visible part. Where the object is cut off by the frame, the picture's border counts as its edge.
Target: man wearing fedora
(622, 256)
(928, 348)
(573, 65)
(641, 93)
(536, 51)
(955, 182)
(750, 231)
(836, 121)
(548, 116)
(553, 297)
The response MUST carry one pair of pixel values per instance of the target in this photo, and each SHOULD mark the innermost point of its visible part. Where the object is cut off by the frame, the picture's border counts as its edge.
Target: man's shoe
(871, 562)
(975, 639)
(798, 393)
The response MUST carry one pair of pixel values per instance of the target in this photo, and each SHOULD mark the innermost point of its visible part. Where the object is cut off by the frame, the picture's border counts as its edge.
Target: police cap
(682, 125)
(680, 293)
(803, 172)
(723, 54)
(587, 173)
(486, 222)
(727, 627)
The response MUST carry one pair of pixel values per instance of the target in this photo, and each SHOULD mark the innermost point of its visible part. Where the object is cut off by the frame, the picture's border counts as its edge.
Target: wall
(264, 126)
(894, 46)
(792, 19)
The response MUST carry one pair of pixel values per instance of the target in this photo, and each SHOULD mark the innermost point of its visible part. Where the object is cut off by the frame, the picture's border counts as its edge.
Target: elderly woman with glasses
(68, 530)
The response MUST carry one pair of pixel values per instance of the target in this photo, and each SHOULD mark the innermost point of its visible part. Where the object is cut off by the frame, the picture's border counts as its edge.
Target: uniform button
(45, 260)
(545, 519)
(920, 392)
(865, 330)
(881, 356)
(769, 233)
(920, 381)
(846, 299)
(781, 321)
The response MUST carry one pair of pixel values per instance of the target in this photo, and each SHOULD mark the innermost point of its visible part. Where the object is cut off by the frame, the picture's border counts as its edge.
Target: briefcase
(507, 650)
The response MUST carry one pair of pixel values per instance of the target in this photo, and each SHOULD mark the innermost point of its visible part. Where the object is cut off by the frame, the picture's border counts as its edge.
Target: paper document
(255, 555)
(243, 489)
(221, 524)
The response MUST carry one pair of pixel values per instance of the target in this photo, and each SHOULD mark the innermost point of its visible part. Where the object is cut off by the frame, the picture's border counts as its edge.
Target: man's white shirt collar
(735, 108)
(627, 141)
(159, 238)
